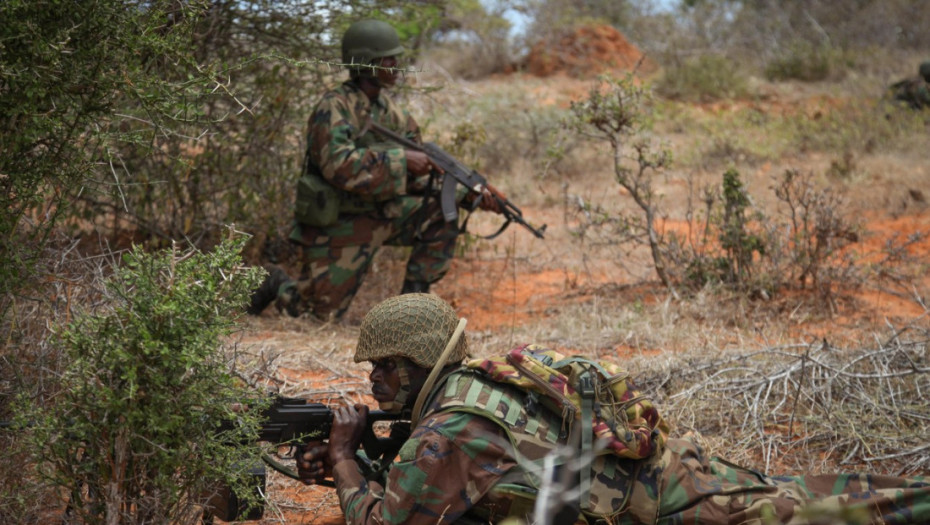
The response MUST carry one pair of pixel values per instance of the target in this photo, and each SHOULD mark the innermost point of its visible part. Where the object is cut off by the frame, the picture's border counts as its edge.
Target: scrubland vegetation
(739, 218)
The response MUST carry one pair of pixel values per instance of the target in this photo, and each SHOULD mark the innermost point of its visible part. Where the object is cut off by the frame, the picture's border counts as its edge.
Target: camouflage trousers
(336, 258)
(694, 490)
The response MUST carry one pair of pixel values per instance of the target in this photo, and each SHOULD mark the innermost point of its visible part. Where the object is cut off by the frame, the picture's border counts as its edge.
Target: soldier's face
(387, 73)
(396, 380)
(385, 381)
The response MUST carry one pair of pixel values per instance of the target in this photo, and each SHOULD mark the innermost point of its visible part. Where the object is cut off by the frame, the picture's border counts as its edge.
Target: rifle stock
(454, 173)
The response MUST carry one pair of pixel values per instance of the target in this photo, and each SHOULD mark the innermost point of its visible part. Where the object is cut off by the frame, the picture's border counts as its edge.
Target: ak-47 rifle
(292, 422)
(457, 173)
(288, 423)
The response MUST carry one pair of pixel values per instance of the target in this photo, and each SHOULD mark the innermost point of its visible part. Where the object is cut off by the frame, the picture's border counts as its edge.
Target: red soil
(587, 50)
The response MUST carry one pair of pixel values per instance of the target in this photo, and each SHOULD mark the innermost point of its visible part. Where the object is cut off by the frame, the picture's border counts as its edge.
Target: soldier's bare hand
(346, 434)
(418, 163)
(313, 463)
(491, 199)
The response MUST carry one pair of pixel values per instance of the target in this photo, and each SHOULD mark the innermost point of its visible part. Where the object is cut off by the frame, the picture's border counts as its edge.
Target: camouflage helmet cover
(367, 40)
(925, 70)
(416, 326)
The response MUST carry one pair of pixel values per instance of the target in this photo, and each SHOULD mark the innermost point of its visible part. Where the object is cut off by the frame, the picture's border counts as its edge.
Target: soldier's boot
(414, 287)
(268, 291)
(288, 299)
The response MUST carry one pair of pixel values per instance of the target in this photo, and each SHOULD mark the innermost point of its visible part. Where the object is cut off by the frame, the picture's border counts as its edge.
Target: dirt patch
(586, 51)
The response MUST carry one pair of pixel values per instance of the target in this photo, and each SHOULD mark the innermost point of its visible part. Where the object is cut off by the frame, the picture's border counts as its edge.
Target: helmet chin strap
(396, 405)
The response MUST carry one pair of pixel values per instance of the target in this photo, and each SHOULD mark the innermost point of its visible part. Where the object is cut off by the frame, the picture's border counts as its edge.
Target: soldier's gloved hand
(488, 201)
(347, 431)
(313, 463)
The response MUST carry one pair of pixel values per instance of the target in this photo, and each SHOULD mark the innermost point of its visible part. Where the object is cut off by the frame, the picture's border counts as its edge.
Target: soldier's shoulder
(343, 94)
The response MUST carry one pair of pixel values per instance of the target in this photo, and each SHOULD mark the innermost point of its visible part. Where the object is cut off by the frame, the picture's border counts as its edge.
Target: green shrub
(62, 82)
(134, 435)
(863, 127)
(706, 78)
(807, 62)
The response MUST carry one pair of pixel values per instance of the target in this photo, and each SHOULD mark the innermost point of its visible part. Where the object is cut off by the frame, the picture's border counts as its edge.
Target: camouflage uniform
(915, 92)
(476, 456)
(380, 204)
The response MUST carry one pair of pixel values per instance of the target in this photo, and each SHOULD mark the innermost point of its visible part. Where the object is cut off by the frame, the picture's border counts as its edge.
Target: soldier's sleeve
(450, 462)
(403, 120)
(377, 173)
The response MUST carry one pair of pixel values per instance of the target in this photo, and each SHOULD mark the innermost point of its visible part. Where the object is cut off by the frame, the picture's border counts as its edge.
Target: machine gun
(456, 173)
(288, 423)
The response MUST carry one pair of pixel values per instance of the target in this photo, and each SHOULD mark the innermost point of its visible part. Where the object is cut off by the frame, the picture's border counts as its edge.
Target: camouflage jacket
(350, 156)
(369, 174)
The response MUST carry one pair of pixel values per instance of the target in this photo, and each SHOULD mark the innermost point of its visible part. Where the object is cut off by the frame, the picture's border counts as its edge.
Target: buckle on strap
(586, 385)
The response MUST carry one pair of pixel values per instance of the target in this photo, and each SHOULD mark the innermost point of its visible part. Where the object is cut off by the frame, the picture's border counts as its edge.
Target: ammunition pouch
(319, 203)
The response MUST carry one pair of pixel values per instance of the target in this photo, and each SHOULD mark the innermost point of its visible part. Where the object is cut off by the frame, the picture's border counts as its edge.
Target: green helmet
(367, 40)
(416, 326)
(925, 70)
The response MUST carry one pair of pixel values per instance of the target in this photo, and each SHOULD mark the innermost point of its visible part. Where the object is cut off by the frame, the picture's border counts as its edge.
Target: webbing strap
(586, 426)
(584, 361)
(494, 399)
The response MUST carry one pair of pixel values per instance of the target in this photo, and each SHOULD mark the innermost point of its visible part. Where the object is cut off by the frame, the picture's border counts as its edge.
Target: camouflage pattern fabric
(694, 490)
(629, 424)
(915, 92)
(450, 462)
(382, 204)
(535, 433)
(475, 457)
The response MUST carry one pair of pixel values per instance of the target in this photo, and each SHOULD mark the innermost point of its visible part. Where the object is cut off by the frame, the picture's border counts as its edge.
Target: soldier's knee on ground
(268, 291)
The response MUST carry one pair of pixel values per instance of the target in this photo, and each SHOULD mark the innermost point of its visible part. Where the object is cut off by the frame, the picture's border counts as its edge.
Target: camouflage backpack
(545, 400)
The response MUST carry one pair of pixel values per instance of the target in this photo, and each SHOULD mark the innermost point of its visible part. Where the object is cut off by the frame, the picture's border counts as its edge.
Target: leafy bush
(616, 113)
(706, 78)
(802, 246)
(737, 241)
(61, 84)
(807, 62)
(135, 434)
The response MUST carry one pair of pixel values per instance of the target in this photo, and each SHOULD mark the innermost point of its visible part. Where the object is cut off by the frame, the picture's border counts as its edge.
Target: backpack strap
(587, 389)
(584, 361)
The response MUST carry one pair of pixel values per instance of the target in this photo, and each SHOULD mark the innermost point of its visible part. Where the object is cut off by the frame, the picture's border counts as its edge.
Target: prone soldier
(478, 445)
